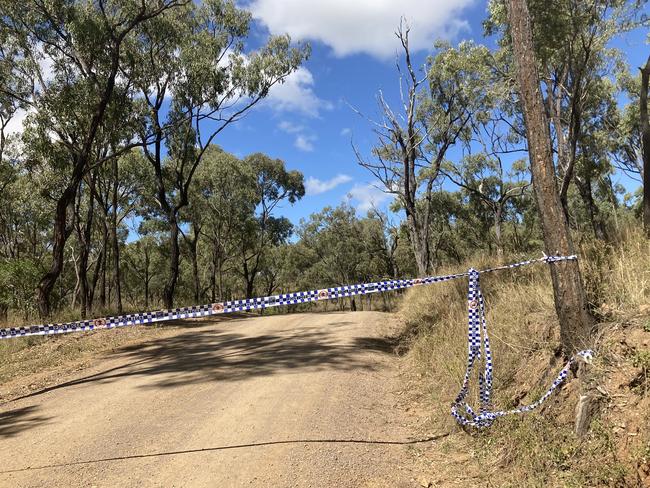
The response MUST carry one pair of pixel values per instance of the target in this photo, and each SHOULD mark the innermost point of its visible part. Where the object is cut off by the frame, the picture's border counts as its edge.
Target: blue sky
(308, 121)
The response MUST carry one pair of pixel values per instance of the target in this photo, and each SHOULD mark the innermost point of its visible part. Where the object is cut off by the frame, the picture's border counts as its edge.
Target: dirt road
(280, 401)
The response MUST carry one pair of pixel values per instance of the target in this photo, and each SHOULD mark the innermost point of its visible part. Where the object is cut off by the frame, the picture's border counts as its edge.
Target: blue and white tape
(478, 341)
(478, 348)
(243, 305)
(221, 308)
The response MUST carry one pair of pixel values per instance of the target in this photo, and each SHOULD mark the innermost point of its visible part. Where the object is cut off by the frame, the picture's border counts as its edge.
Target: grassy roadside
(541, 447)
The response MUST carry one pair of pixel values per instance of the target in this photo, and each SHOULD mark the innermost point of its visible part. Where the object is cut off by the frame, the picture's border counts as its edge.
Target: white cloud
(367, 197)
(296, 94)
(346, 131)
(290, 127)
(314, 186)
(305, 142)
(362, 26)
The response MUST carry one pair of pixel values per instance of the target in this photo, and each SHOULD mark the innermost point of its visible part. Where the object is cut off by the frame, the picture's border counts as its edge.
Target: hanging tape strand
(478, 341)
(479, 348)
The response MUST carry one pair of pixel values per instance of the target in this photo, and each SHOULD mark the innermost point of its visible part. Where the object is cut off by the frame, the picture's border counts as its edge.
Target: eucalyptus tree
(338, 248)
(227, 188)
(118, 192)
(483, 176)
(13, 91)
(594, 159)
(412, 143)
(487, 170)
(144, 261)
(387, 243)
(645, 137)
(574, 54)
(273, 185)
(71, 54)
(222, 196)
(570, 300)
(627, 155)
(83, 227)
(330, 240)
(195, 79)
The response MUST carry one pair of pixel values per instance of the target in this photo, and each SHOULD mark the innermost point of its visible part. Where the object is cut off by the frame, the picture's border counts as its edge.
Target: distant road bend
(284, 400)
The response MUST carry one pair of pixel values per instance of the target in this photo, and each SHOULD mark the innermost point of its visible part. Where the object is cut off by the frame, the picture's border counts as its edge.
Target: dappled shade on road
(206, 354)
(15, 421)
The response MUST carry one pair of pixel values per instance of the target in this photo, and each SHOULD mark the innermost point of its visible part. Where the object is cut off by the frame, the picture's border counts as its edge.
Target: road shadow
(197, 322)
(15, 421)
(380, 344)
(212, 355)
(406, 442)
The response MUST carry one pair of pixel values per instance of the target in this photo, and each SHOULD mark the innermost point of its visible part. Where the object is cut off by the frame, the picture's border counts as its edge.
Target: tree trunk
(174, 261)
(584, 188)
(213, 276)
(60, 235)
(96, 273)
(575, 319)
(222, 294)
(75, 292)
(84, 235)
(194, 251)
(115, 245)
(249, 276)
(645, 144)
(498, 216)
(104, 258)
(419, 245)
(250, 286)
(146, 278)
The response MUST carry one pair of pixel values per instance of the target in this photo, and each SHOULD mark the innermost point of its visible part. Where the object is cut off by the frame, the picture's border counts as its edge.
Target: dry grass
(524, 334)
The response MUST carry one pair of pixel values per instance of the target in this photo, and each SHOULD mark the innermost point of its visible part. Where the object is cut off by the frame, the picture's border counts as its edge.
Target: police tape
(260, 303)
(478, 349)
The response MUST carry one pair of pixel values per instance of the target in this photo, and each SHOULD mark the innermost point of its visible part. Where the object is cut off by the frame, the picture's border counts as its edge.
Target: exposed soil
(279, 401)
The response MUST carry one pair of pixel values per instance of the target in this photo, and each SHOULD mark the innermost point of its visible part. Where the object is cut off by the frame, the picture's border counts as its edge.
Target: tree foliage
(116, 194)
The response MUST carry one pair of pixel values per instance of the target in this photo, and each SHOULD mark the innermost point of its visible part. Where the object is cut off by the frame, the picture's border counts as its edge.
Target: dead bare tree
(412, 145)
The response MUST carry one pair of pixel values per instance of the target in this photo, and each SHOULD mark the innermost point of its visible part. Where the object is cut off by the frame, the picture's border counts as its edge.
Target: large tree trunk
(174, 261)
(645, 143)
(575, 319)
(115, 245)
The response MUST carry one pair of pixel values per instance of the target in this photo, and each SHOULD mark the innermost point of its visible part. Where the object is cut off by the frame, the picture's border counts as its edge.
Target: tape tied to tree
(478, 348)
(478, 341)
(151, 317)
